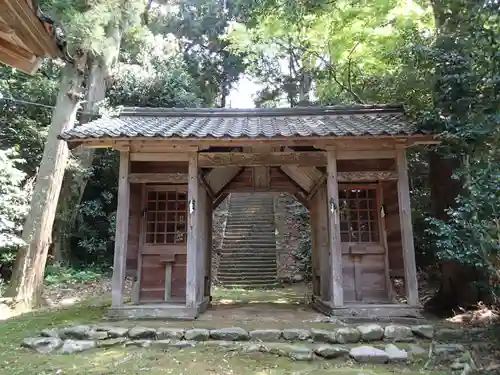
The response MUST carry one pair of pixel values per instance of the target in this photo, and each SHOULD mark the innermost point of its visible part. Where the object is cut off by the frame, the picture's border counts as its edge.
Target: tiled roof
(335, 121)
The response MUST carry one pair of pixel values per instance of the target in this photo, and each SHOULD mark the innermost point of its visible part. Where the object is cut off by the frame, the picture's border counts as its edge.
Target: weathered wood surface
(332, 183)
(322, 243)
(367, 176)
(410, 266)
(248, 159)
(192, 232)
(168, 178)
(121, 236)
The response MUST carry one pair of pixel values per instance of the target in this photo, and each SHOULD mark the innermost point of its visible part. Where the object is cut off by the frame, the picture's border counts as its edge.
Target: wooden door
(363, 251)
(163, 244)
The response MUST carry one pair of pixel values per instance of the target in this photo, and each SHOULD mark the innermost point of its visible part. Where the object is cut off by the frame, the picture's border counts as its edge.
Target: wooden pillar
(202, 243)
(192, 231)
(410, 265)
(323, 243)
(208, 249)
(337, 294)
(121, 234)
(315, 253)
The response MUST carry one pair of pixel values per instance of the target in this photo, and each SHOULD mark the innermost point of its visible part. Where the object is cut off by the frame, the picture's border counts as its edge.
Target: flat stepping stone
(347, 335)
(181, 344)
(368, 354)
(371, 332)
(80, 332)
(142, 333)
(425, 331)
(398, 333)
(76, 346)
(231, 334)
(170, 333)
(109, 343)
(265, 335)
(395, 354)
(293, 334)
(197, 334)
(323, 335)
(139, 343)
(42, 345)
(331, 351)
(295, 352)
(49, 332)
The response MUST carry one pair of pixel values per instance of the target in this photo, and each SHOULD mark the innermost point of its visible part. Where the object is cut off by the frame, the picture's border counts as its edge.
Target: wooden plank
(332, 183)
(219, 178)
(323, 244)
(206, 186)
(366, 154)
(318, 184)
(167, 178)
(298, 175)
(159, 156)
(219, 200)
(410, 266)
(367, 176)
(315, 253)
(261, 177)
(192, 232)
(168, 281)
(383, 239)
(121, 235)
(249, 159)
(202, 243)
(208, 248)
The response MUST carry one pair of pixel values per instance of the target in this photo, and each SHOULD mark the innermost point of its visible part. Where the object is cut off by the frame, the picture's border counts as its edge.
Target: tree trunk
(27, 278)
(75, 180)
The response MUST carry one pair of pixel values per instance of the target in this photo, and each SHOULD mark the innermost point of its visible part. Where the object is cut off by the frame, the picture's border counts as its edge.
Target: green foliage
(14, 200)
(58, 276)
(304, 251)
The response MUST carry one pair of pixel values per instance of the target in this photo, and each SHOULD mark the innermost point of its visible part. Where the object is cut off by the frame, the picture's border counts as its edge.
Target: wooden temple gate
(355, 187)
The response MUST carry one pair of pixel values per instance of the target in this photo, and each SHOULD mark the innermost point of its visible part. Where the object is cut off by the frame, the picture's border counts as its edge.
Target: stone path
(367, 343)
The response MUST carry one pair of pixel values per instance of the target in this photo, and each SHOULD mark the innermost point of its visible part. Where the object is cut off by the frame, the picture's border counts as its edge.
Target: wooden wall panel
(279, 181)
(393, 227)
(158, 167)
(179, 277)
(366, 165)
(134, 227)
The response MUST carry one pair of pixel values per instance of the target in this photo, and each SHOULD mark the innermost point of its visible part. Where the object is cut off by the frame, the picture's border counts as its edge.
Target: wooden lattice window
(359, 215)
(166, 217)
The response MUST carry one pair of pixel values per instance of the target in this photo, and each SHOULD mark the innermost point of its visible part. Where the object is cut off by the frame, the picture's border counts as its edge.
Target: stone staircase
(248, 254)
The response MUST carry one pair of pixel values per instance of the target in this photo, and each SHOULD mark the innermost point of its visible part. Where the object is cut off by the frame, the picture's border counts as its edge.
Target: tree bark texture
(75, 180)
(27, 278)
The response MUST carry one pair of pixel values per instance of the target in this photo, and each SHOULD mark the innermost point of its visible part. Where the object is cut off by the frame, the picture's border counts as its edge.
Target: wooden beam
(300, 197)
(366, 154)
(316, 187)
(248, 159)
(410, 267)
(121, 234)
(368, 176)
(207, 187)
(298, 175)
(337, 294)
(158, 156)
(167, 178)
(219, 178)
(219, 200)
(192, 232)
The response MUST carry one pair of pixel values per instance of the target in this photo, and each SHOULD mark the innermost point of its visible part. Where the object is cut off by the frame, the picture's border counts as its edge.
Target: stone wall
(291, 228)
(219, 222)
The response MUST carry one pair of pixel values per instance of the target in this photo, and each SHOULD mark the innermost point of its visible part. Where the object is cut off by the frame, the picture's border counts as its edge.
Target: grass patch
(200, 360)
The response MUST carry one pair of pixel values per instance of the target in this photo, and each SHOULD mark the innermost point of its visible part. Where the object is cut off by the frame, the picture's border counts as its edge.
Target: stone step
(250, 283)
(267, 263)
(249, 244)
(242, 255)
(248, 275)
(250, 222)
(254, 233)
(236, 268)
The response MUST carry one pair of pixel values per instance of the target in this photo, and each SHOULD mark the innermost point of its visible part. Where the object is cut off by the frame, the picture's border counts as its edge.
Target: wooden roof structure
(26, 36)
